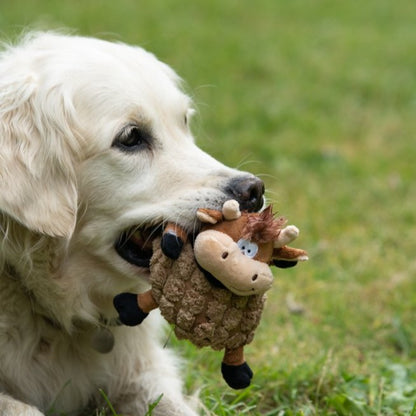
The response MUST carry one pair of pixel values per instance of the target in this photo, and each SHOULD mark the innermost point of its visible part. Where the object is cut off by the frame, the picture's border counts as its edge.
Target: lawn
(319, 99)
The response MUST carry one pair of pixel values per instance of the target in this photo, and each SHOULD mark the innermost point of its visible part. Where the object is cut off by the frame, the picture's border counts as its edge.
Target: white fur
(65, 196)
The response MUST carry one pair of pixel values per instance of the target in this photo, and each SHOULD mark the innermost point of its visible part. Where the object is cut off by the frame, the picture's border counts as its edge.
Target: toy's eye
(248, 248)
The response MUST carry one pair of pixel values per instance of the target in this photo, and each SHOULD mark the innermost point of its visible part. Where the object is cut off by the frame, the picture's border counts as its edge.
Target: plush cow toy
(213, 292)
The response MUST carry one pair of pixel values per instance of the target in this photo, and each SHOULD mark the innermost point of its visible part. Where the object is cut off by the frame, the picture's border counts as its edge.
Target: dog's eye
(132, 139)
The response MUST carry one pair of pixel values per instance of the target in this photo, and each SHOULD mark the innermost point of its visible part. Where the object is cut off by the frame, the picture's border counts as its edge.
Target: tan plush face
(237, 248)
(234, 257)
(232, 263)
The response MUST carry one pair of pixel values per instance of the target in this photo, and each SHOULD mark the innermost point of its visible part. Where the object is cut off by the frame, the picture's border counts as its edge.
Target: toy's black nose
(248, 191)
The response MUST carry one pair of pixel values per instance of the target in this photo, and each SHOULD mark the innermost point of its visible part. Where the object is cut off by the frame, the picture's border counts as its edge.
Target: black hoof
(237, 376)
(284, 264)
(171, 245)
(129, 312)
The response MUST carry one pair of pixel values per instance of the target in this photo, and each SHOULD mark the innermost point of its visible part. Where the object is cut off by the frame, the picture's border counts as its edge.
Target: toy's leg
(284, 264)
(235, 370)
(132, 308)
(146, 301)
(173, 239)
(285, 256)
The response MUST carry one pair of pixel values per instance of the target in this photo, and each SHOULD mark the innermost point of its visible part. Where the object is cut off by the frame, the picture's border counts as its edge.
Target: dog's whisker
(271, 192)
(267, 175)
(151, 236)
(245, 162)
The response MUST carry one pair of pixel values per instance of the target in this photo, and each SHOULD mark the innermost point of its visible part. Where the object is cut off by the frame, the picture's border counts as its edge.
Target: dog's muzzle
(135, 245)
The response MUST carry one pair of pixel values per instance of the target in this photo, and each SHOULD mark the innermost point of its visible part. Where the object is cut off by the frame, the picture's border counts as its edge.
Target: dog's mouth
(135, 245)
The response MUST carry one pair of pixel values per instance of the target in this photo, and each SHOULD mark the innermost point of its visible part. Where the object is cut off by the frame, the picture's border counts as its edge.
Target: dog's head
(95, 148)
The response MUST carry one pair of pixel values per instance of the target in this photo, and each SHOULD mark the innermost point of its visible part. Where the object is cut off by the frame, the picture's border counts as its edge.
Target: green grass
(318, 97)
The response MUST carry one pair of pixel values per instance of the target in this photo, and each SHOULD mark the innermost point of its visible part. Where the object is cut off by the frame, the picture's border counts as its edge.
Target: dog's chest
(34, 349)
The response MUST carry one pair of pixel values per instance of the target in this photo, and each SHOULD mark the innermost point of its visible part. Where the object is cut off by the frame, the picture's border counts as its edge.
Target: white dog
(94, 146)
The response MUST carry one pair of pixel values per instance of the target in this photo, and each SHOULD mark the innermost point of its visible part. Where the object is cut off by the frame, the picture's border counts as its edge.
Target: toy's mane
(263, 227)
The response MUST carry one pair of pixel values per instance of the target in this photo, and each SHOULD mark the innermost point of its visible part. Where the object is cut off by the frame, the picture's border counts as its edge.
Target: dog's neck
(35, 262)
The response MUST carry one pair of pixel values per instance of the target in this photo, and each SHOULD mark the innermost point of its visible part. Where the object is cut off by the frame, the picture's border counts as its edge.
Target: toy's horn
(231, 210)
(286, 236)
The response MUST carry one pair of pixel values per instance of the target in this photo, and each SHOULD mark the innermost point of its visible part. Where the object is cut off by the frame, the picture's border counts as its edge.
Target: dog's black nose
(248, 191)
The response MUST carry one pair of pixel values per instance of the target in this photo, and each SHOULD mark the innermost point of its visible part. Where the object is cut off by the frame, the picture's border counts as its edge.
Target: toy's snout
(220, 255)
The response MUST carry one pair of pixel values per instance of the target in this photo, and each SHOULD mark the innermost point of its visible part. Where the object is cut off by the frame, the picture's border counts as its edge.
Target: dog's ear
(37, 178)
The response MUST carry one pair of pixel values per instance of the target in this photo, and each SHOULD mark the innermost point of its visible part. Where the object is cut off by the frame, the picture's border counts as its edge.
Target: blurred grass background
(318, 98)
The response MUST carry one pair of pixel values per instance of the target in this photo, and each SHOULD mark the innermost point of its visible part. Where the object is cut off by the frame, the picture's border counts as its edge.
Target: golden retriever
(95, 145)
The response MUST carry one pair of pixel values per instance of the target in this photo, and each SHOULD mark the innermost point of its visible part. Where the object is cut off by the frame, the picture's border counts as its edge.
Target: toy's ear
(209, 216)
(37, 177)
(285, 256)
